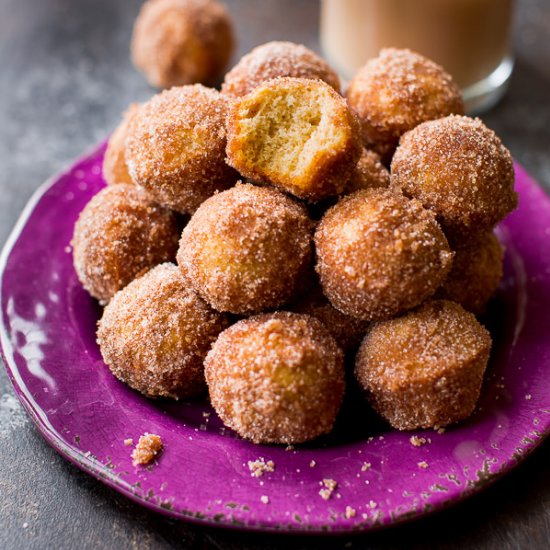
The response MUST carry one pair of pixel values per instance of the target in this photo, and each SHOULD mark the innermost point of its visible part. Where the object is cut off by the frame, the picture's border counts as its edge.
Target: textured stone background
(65, 76)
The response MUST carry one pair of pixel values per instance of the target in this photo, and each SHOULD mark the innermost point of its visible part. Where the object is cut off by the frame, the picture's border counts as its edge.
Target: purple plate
(48, 341)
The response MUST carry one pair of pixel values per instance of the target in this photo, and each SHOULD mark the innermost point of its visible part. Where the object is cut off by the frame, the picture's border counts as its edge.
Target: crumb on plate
(329, 485)
(350, 512)
(417, 441)
(260, 466)
(147, 448)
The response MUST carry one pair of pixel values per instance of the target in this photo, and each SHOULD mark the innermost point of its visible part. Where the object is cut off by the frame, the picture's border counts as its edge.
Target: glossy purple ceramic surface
(48, 340)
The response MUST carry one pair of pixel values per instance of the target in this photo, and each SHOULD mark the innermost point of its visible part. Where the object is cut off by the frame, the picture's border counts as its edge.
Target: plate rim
(100, 472)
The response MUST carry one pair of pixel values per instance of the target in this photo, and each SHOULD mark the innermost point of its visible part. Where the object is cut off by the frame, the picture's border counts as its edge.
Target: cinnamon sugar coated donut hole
(114, 162)
(276, 378)
(379, 254)
(118, 236)
(346, 331)
(395, 92)
(175, 148)
(460, 169)
(155, 333)
(247, 249)
(276, 59)
(425, 369)
(369, 173)
(476, 273)
(297, 134)
(179, 42)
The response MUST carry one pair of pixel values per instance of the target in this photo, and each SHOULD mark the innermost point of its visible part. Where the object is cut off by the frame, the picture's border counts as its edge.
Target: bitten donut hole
(287, 132)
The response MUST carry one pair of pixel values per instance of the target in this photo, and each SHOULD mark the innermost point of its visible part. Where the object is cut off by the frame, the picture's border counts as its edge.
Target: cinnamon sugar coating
(475, 274)
(460, 169)
(114, 162)
(276, 378)
(175, 148)
(247, 249)
(347, 331)
(369, 173)
(395, 92)
(118, 236)
(276, 59)
(155, 333)
(379, 254)
(178, 42)
(296, 134)
(425, 369)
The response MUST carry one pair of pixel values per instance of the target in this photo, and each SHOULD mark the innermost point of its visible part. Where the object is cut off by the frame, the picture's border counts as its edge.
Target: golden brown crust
(369, 173)
(395, 92)
(178, 42)
(476, 273)
(273, 60)
(247, 249)
(346, 331)
(424, 370)
(114, 162)
(155, 333)
(379, 254)
(175, 148)
(276, 378)
(297, 134)
(120, 235)
(460, 169)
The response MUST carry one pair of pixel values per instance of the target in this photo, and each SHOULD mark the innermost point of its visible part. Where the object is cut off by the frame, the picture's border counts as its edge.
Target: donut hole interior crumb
(287, 131)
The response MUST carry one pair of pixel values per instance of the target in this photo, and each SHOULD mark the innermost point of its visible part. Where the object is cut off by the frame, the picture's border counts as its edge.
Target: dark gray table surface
(65, 76)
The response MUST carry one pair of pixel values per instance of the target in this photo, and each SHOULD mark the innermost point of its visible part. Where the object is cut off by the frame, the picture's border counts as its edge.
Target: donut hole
(425, 368)
(276, 378)
(247, 249)
(288, 131)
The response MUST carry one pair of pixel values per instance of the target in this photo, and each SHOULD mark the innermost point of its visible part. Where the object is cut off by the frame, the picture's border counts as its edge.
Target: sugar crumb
(128, 442)
(329, 486)
(264, 499)
(350, 512)
(418, 441)
(260, 466)
(423, 464)
(312, 464)
(366, 466)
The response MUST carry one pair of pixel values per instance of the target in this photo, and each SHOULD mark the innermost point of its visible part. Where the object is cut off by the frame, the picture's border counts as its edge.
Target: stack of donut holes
(320, 232)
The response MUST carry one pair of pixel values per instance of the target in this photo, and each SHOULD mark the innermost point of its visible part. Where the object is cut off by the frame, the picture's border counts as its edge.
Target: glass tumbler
(469, 38)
